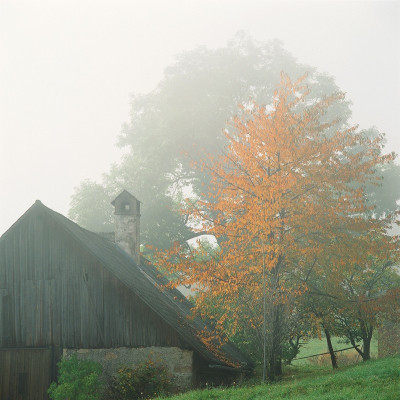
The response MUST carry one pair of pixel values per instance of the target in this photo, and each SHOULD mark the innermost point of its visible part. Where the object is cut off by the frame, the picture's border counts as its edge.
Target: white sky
(67, 69)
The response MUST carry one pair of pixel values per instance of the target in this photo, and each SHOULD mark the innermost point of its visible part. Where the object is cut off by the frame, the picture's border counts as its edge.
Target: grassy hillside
(377, 379)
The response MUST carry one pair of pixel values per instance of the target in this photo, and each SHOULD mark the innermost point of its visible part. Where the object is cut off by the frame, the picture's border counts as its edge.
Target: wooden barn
(66, 290)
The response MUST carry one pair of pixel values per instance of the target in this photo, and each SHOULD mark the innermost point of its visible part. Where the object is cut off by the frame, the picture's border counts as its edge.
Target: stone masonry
(127, 236)
(179, 362)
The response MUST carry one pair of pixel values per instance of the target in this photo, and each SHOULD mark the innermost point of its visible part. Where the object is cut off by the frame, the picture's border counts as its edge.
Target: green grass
(316, 346)
(373, 380)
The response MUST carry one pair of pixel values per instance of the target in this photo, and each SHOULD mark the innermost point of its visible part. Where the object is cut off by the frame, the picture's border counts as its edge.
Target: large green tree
(183, 115)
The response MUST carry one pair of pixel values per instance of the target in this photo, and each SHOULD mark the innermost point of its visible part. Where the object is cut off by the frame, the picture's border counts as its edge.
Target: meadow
(317, 346)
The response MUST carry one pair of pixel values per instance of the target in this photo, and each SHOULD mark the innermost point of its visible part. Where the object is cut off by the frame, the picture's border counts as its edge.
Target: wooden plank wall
(25, 374)
(54, 293)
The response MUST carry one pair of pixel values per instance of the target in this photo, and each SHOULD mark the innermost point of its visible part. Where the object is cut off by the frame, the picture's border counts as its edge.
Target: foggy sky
(67, 69)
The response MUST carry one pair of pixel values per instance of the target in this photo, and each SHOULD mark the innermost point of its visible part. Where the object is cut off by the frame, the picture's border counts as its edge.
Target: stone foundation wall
(389, 339)
(179, 362)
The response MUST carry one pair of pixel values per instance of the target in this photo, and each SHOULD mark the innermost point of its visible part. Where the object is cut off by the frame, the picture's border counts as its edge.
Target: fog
(68, 68)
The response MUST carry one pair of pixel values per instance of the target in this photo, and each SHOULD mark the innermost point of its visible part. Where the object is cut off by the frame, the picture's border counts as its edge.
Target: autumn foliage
(286, 202)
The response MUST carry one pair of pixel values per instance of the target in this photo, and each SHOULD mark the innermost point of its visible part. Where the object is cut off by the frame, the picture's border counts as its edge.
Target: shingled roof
(146, 282)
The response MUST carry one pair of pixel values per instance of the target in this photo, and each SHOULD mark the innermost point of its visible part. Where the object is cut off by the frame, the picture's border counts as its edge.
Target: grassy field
(374, 380)
(316, 346)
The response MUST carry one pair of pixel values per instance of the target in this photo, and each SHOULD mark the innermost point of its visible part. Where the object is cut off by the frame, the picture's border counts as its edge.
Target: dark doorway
(25, 374)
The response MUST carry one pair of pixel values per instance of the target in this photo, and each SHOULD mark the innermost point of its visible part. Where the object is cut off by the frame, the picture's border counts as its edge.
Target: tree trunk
(367, 350)
(274, 367)
(366, 337)
(354, 344)
(276, 322)
(330, 348)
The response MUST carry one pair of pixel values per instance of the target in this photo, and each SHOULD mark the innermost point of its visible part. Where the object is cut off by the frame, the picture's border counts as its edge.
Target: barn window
(127, 207)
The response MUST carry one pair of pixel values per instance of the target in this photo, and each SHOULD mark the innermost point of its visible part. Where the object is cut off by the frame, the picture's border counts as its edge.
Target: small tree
(352, 301)
(369, 295)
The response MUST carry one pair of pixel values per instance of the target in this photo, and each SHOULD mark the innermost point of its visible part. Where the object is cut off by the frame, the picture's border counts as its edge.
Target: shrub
(77, 380)
(144, 381)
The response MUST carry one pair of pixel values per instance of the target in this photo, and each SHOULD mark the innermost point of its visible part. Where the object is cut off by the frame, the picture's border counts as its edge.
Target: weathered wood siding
(25, 374)
(54, 293)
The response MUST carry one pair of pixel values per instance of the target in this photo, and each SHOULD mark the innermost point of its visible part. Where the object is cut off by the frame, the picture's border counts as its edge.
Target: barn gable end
(66, 289)
(59, 294)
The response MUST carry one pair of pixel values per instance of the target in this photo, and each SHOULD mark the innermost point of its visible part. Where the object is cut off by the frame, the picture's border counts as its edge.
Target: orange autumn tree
(287, 192)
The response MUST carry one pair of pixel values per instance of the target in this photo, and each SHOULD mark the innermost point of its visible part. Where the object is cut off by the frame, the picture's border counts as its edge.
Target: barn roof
(145, 281)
